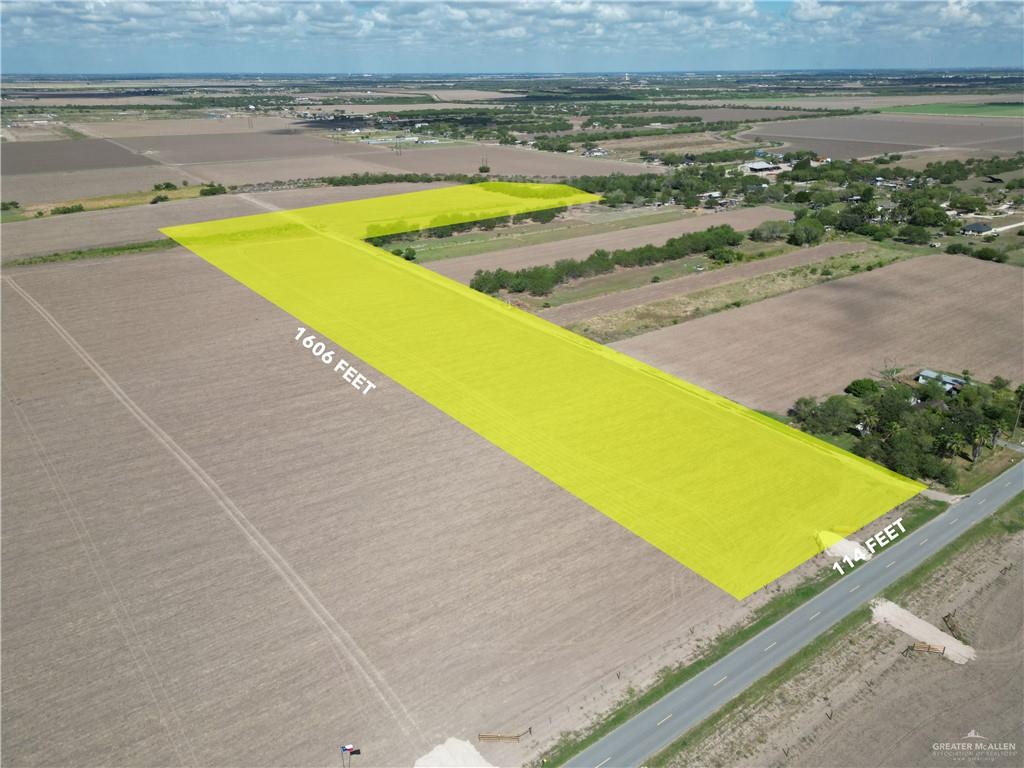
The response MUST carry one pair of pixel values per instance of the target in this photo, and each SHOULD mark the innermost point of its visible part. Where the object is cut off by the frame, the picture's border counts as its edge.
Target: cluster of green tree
(949, 171)
(638, 120)
(629, 133)
(447, 230)
(362, 179)
(682, 185)
(211, 188)
(985, 252)
(541, 280)
(236, 102)
(553, 143)
(164, 185)
(10, 205)
(770, 230)
(61, 209)
(915, 429)
(841, 172)
(159, 199)
(409, 254)
(721, 156)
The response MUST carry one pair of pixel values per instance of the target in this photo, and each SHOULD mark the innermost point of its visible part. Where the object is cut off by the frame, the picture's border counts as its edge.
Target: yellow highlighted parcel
(734, 495)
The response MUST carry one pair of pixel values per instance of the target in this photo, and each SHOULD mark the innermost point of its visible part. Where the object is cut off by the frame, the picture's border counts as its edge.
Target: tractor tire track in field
(173, 726)
(342, 644)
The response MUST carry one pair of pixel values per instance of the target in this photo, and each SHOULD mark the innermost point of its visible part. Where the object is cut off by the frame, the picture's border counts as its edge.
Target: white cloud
(812, 10)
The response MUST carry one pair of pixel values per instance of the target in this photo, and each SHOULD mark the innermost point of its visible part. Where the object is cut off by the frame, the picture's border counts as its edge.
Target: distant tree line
(541, 280)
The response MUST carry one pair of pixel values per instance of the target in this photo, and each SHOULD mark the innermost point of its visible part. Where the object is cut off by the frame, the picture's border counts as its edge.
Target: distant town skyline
(295, 36)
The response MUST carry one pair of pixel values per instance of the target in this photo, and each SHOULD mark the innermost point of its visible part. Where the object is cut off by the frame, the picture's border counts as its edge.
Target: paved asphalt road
(666, 720)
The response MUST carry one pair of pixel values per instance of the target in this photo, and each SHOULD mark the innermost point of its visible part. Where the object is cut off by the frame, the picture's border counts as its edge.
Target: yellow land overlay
(734, 495)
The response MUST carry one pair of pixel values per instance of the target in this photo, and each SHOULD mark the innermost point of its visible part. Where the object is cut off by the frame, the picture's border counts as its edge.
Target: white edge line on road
(890, 565)
(855, 588)
(769, 647)
(602, 762)
(815, 616)
(719, 681)
(664, 719)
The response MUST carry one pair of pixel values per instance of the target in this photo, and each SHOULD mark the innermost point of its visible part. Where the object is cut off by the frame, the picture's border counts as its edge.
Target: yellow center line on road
(664, 719)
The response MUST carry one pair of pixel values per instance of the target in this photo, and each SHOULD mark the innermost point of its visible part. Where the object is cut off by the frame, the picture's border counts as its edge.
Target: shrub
(159, 199)
(212, 188)
(60, 209)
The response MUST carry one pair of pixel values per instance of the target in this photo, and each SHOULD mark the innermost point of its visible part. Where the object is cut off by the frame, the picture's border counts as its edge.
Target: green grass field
(961, 110)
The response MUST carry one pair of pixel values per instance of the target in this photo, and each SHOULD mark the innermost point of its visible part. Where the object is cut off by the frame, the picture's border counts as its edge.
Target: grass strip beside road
(95, 253)
(919, 511)
(1008, 519)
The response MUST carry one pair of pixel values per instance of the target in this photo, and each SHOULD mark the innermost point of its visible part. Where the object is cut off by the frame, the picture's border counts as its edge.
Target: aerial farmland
(230, 538)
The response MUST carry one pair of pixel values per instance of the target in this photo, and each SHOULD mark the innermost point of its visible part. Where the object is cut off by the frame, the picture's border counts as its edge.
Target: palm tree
(955, 443)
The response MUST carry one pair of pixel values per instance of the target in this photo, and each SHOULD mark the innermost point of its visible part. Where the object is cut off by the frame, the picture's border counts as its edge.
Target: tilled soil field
(846, 137)
(213, 542)
(119, 226)
(938, 311)
(58, 156)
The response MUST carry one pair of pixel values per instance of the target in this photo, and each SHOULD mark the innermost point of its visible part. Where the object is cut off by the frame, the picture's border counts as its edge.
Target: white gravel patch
(454, 753)
(887, 612)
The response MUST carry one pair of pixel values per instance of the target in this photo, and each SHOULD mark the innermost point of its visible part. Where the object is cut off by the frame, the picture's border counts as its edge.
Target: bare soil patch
(463, 268)
(938, 311)
(846, 137)
(57, 156)
(38, 188)
(237, 147)
(122, 129)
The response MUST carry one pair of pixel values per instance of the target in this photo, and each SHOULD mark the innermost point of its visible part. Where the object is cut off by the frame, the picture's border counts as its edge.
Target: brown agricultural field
(119, 226)
(852, 101)
(846, 137)
(214, 543)
(61, 156)
(239, 147)
(503, 161)
(41, 188)
(939, 311)
(463, 268)
(577, 311)
(122, 129)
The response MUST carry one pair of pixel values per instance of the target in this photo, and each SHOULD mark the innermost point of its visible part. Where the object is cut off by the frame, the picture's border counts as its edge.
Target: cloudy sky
(334, 36)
